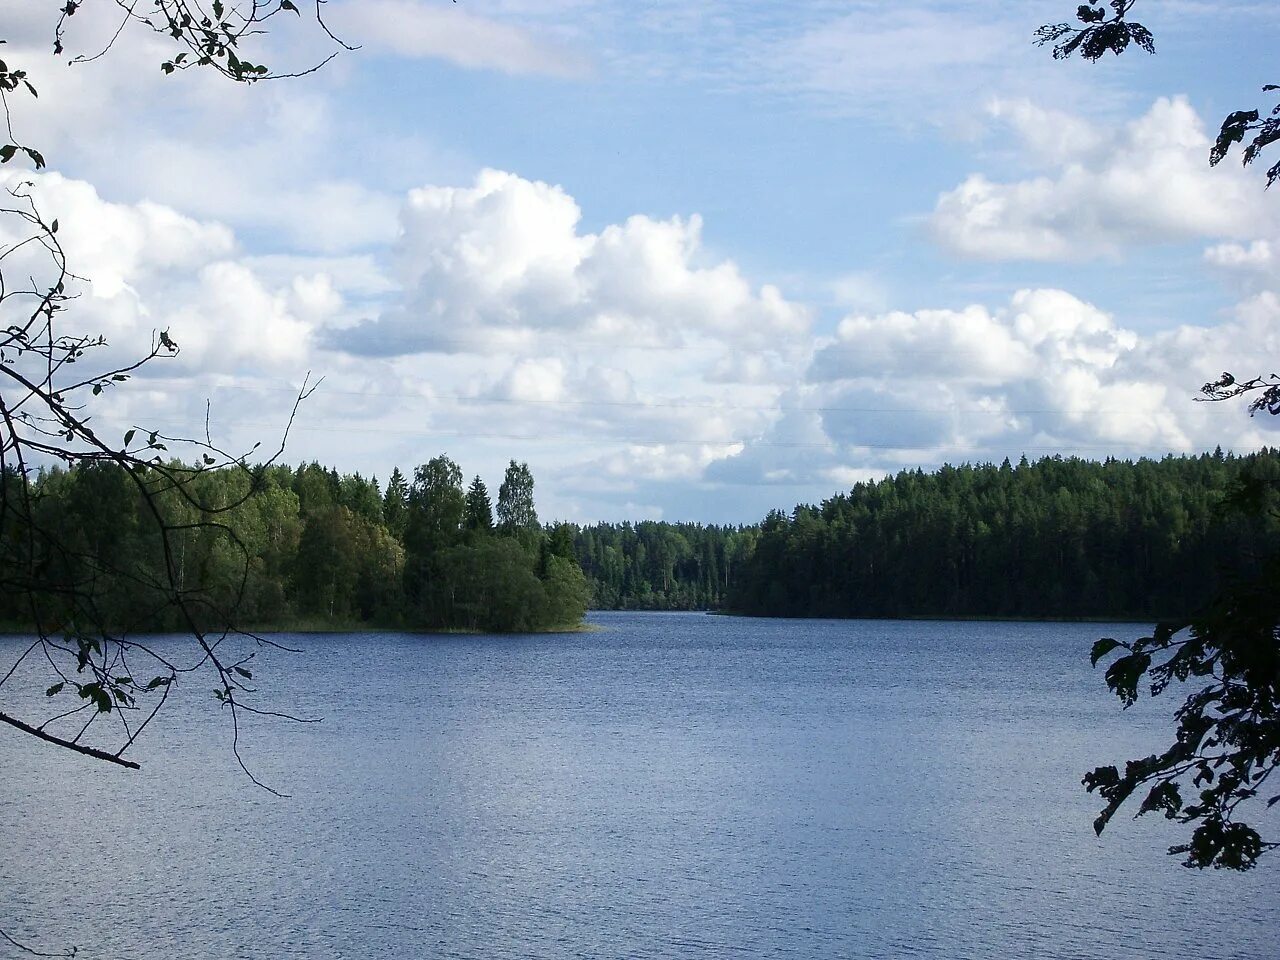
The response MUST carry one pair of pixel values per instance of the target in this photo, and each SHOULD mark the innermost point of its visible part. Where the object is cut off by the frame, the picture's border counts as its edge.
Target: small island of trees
(309, 549)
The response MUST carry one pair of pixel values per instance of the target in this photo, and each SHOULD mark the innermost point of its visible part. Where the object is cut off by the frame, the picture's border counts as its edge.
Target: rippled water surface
(675, 785)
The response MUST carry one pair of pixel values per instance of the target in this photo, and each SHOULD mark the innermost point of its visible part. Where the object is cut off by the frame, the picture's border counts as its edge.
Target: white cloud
(1052, 137)
(273, 159)
(144, 267)
(1257, 256)
(533, 381)
(1047, 372)
(491, 267)
(971, 344)
(875, 53)
(1048, 366)
(926, 63)
(447, 32)
(1149, 184)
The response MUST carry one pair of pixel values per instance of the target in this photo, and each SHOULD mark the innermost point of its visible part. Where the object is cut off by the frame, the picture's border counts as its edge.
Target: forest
(1057, 538)
(309, 548)
(661, 566)
(274, 547)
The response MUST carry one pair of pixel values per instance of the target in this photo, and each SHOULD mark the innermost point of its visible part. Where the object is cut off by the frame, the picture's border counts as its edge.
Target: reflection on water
(676, 785)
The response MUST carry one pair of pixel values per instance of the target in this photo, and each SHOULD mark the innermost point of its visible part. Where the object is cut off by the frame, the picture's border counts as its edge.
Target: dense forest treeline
(661, 566)
(1055, 538)
(313, 548)
(309, 548)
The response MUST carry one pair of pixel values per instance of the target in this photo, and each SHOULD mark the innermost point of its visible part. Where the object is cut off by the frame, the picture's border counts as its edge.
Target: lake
(673, 785)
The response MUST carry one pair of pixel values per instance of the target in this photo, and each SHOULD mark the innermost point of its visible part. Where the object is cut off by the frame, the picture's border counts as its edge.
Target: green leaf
(1123, 676)
(99, 696)
(1164, 797)
(55, 689)
(243, 672)
(1100, 649)
(128, 437)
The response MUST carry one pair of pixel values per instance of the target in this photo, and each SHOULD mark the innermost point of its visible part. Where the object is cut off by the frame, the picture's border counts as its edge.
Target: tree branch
(77, 747)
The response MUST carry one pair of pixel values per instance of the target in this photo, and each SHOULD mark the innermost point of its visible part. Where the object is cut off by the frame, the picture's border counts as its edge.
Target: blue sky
(689, 260)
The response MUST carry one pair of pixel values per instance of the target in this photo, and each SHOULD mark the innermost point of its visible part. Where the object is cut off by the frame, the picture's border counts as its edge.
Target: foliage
(515, 501)
(1107, 28)
(1228, 387)
(478, 511)
(68, 580)
(1102, 32)
(1226, 741)
(310, 546)
(210, 35)
(660, 566)
(1055, 538)
(1227, 738)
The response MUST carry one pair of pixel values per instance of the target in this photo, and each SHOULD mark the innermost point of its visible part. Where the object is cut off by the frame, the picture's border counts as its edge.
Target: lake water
(675, 785)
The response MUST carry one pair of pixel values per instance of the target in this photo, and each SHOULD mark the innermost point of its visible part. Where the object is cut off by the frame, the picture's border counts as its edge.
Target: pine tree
(478, 514)
(395, 504)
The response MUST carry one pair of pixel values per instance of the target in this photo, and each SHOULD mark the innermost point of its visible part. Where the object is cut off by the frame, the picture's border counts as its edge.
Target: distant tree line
(661, 566)
(1055, 538)
(309, 548)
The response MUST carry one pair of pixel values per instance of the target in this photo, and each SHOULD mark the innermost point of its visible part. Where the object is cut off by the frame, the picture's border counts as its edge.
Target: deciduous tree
(516, 513)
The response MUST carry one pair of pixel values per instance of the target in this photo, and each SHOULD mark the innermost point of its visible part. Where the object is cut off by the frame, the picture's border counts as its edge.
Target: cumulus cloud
(490, 267)
(1147, 183)
(1047, 365)
(140, 268)
(274, 159)
(1046, 372)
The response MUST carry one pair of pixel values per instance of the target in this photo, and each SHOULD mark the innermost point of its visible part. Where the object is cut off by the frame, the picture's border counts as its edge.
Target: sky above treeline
(689, 260)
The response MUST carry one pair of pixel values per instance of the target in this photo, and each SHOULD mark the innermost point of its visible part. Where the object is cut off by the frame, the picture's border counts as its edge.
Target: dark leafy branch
(1106, 27)
(212, 35)
(1238, 127)
(1228, 387)
(43, 419)
(46, 418)
(1227, 738)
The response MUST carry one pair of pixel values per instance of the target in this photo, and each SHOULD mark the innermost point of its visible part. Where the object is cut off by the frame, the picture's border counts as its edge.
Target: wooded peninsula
(309, 548)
